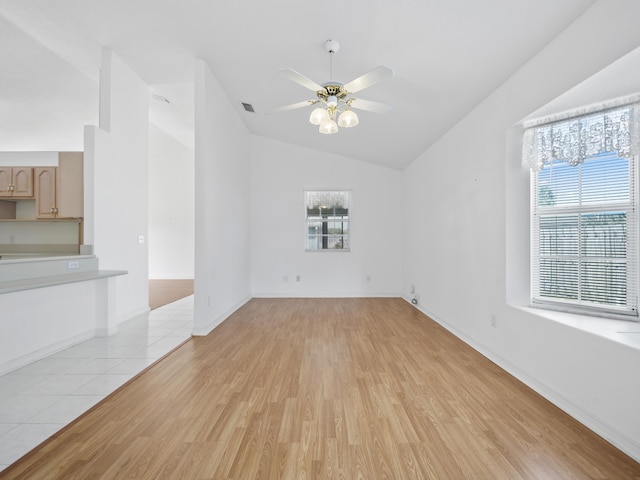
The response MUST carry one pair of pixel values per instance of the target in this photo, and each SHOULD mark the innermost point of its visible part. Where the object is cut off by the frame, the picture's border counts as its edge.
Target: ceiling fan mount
(334, 98)
(332, 46)
(332, 89)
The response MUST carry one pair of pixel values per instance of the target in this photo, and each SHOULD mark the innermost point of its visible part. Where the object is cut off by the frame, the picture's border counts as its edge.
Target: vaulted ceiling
(447, 55)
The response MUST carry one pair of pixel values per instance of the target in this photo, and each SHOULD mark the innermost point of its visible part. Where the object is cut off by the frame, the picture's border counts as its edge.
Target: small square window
(327, 220)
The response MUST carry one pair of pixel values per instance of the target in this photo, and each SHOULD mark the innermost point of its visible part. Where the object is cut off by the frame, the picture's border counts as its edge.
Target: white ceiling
(447, 55)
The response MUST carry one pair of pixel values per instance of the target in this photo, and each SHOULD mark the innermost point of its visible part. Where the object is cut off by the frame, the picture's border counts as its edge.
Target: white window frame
(578, 305)
(329, 214)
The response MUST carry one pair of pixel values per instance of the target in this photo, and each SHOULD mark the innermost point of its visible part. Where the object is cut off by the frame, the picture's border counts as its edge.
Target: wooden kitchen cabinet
(16, 182)
(59, 190)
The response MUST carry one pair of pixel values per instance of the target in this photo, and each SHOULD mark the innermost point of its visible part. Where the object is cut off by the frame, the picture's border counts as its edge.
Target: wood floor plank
(327, 389)
(163, 292)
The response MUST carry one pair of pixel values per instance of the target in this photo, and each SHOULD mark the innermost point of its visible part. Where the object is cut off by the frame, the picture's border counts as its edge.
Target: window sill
(626, 332)
(347, 250)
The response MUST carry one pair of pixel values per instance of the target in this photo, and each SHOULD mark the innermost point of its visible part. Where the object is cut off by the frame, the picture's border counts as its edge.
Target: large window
(584, 214)
(327, 220)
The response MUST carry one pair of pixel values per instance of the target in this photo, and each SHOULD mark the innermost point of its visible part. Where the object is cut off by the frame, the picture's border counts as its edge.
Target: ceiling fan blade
(293, 106)
(300, 79)
(370, 106)
(378, 74)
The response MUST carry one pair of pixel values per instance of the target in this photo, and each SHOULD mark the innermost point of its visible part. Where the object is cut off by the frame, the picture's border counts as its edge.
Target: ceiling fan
(334, 98)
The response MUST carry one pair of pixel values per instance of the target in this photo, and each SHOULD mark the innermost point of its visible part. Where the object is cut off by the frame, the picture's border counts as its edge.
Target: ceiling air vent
(160, 98)
(248, 107)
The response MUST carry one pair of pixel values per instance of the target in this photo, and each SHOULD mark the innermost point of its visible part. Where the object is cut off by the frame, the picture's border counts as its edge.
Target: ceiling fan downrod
(332, 47)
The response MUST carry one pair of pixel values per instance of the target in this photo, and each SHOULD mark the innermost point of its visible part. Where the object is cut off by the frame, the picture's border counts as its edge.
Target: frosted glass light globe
(318, 116)
(348, 119)
(328, 127)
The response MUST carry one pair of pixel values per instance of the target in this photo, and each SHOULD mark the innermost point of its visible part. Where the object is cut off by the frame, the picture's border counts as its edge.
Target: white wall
(171, 206)
(458, 194)
(222, 196)
(116, 184)
(280, 173)
(36, 323)
(29, 159)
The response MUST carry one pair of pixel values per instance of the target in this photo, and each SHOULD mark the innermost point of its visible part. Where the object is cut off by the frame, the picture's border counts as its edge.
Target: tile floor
(39, 399)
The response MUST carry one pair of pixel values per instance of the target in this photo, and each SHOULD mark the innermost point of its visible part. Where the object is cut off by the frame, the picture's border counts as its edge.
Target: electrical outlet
(368, 278)
(297, 278)
(72, 264)
(413, 289)
(494, 320)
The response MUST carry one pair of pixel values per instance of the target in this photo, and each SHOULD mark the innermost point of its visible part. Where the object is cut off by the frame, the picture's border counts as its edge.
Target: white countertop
(14, 257)
(10, 286)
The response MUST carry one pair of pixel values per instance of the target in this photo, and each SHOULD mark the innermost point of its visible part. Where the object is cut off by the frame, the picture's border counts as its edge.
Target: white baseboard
(204, 330)
(29, 358)
(140, 320)
(106, 332)
(325, 295)
(133, 316)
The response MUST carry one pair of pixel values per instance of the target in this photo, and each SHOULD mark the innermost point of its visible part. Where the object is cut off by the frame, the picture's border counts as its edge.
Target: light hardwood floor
(329, 389)
(163, 292)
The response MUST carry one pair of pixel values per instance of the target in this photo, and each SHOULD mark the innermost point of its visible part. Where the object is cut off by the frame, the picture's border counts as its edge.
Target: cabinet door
(22, 181)
(69, 185)
(5, 181)
(45, 184)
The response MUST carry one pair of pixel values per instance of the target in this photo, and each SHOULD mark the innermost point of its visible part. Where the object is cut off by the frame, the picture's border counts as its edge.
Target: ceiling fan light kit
(334, 98)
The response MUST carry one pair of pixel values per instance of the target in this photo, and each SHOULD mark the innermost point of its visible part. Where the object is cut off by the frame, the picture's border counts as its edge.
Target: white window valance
(327, 199)
(575, 139)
